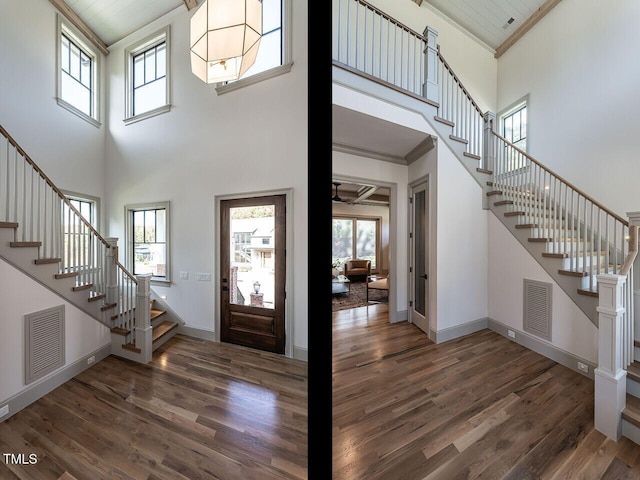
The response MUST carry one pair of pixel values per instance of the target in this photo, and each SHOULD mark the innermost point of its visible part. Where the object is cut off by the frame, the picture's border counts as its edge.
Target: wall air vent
(44, 342)
(537, 308)
(509, 22)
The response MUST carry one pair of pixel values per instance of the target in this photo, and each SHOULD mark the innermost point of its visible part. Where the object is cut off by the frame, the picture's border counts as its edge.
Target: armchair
(357, 268)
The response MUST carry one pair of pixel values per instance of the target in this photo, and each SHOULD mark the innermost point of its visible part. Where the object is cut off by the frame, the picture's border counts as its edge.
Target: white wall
(473, 63)
(66, 147)
(510, 264)
(20, 295)
(371, 211)
(251, 140)
(580, 67)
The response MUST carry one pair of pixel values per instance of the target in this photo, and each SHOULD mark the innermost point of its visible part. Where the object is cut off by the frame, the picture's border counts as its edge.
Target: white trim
(505, 112)
(289, 264)
(62, 26)
(160, 36)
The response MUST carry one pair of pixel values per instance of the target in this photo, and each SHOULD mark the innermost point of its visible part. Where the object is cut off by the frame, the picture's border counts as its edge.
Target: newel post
(610, 376)
(111, 271)
(144, 334)
(488, 144)
(431, 88)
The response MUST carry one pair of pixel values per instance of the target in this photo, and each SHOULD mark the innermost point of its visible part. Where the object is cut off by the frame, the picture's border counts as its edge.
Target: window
(77, 239)
(77, 86)
(356, 237)
(513, 127)
(147, 77)
(274, 53)
(147, 240)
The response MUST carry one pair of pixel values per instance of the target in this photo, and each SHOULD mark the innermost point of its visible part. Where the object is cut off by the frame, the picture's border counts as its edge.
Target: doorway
(419, 250)
(253, 272)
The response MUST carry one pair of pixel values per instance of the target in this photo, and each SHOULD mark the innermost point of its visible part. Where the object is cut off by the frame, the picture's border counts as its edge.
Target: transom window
(77, 74)
(148, 77)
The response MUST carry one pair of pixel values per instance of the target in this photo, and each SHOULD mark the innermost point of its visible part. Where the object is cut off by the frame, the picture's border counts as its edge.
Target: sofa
(357, 268)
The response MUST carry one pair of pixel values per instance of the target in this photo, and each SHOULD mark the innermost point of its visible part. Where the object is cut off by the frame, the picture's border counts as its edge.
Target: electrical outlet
(91, 359)
(511, 333)
(4, 411)
(583, 367)
(184, 275)
(203, 277)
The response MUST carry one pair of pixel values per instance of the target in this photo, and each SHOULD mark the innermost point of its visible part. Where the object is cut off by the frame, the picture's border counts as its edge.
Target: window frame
(286, 52)
(129, 241)
(79, 40)
(507, 112)
(354, 240)
(95, 207)
(161, 36)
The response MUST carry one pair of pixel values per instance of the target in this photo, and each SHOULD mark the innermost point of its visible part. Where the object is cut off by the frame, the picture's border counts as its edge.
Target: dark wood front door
(252, 272)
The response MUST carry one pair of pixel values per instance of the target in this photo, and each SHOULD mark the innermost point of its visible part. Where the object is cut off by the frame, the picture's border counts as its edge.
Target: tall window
(147, 77)
(148, 240)
(77, 74)
(274, 53)
(355, 237)
(514, 127)
(77, 238)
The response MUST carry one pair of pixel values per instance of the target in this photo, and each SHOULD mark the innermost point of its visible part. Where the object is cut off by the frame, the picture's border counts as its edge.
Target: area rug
(357, 297)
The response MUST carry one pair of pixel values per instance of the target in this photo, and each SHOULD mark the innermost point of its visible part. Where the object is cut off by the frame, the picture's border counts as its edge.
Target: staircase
(46, 237)
(585, 247)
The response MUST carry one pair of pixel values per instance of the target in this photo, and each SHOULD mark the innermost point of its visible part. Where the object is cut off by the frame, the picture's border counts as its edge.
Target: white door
(419, 296)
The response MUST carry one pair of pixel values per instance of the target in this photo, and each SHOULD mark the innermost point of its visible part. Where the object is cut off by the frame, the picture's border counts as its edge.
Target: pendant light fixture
(225, 36)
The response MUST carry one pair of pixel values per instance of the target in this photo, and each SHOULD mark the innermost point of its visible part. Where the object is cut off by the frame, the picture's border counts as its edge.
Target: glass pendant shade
(225, 36)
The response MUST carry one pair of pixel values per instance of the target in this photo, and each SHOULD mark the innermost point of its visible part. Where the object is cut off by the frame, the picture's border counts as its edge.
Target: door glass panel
(252, 254)
(366, 241)
(420, 243)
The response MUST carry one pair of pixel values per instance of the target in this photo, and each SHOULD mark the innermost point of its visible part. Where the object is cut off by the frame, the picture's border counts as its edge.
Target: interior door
(420, 257)
(252, 272)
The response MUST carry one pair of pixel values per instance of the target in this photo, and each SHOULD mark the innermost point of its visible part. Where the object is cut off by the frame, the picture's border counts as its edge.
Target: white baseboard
(545, 349)
(300, 353)
(49, 383)
(459, 330)
(631, 431)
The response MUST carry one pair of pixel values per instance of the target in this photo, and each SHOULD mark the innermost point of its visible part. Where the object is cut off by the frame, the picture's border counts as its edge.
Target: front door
(419, 257)
(252, 272)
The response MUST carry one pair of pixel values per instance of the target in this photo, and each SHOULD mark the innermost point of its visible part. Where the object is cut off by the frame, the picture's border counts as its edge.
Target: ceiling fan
(336, 197)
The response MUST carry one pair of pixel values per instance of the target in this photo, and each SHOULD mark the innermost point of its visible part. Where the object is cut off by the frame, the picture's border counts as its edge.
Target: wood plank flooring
(478, 407)
(199, 410)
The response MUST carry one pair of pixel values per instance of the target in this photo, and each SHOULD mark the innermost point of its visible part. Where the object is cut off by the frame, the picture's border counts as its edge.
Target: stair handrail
(569, 184)
(391, 19)
(633, 250)
(62, 196)
(459, 82)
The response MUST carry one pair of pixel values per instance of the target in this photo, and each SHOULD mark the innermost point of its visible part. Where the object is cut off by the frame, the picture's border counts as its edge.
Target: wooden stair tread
(131, 347)
(555, 255)
(120, 331)
(504, 202)
(631, 412)
(484, 170)
(8, 224)
(442, 120)
(590, 293)
(156, 313)
(494, 192)
(162, 329)
(25, 244)
(633, 371)
(46, 261)
(96, 296)
(527, 225)
(471, 155)
(82, 286)
(458, 139)
(574, 273)
(65, 275)
(108, 306)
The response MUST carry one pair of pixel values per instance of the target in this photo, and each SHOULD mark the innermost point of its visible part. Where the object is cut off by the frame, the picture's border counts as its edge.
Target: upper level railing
(45, 217)
(370, 41)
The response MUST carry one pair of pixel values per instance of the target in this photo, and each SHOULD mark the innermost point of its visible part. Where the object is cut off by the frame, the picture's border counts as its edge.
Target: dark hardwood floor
(480, 406)
(199, 410)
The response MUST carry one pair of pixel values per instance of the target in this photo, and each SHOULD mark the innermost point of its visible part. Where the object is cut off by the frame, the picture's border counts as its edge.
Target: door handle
(425, 276)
